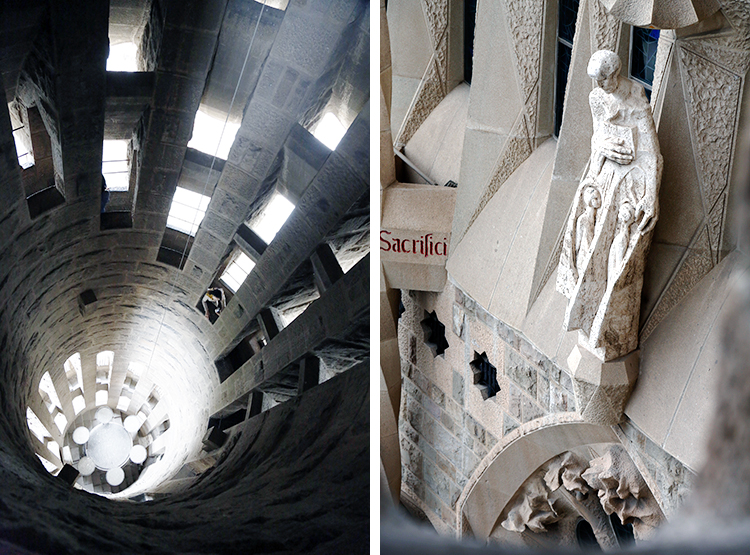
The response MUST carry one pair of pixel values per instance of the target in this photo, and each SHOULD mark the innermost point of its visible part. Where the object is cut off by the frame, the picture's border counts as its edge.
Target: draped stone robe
(606, 307)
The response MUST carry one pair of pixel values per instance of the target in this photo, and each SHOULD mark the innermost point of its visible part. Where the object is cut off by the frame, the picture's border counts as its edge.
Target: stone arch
(510, 463)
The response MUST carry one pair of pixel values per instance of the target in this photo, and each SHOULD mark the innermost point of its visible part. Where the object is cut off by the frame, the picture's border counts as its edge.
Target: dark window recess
(120, 219)
(86, 301)
(585, 536)
(623, 532)
(566, 28)
(226, 422)
(68, 474)
(213, 439)
(238, 356)
(172, 247)
(470, 16)
(44, 200)
(434, 334)
(485, 376)
(643, 44)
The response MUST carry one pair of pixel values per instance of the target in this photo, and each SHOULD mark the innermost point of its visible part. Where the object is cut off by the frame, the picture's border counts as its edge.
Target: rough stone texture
(446, 429)
(622, 491)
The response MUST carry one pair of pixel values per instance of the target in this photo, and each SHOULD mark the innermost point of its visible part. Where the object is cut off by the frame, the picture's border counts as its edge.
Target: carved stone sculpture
(533, 509)
(566, 470)
(623, 491)
(614, 212)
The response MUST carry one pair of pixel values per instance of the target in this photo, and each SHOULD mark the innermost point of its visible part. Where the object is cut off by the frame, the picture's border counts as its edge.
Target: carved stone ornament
(623, 491)
(533, 509)
(613, 215)
(566, 470)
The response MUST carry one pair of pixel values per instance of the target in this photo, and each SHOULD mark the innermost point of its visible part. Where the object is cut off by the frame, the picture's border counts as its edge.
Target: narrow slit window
(46, 385)
(115, 165)
(237, 271)
(566, 28)
(36, 426)
(329, 130)
(643, 46)
(212, 135)
(25, 158)
(187, 211)
(276, 212)
(73, 372)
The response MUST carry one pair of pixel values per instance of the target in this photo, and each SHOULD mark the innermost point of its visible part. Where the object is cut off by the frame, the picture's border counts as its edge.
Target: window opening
(272, 217)
(123, 57)
(46, 386)
(187, 211)
(25, 157)
(643, 46)
(434, 334)
(102, 396)
(212, 136)
(60, 421)
(566, 27)
(73, 372)
(35, 425)
(485, 375)
(585, 536)
(329, 130)
(470, 15)
(50, 467)
(237, 271)
(115, 165)
(79, 403)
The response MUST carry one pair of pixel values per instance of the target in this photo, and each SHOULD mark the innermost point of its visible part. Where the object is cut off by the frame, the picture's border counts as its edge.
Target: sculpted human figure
(601, 272)
(586, 224)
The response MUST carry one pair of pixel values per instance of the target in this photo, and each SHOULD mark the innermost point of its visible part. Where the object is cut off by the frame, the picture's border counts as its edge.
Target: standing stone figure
(602, 277)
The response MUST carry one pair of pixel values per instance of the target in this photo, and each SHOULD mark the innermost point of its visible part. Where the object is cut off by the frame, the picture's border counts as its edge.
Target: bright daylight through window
(122, 57)
(25, 158)
(273, 217)
(329, 131)
(115, 165)
(187, 210)
(237, 271)
(208, 136)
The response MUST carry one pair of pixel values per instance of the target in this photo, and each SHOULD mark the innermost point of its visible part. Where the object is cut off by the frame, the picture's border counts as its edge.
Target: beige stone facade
(470, 454)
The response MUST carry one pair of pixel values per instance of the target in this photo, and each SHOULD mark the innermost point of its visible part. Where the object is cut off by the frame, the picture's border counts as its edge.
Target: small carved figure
(619, 247)
(586, 224)
(625, 167)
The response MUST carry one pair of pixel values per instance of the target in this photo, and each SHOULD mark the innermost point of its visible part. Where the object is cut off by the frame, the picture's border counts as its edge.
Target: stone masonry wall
(446, 428)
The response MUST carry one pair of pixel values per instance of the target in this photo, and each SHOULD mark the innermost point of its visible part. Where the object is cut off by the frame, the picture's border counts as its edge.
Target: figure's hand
(615, 150)
(646, 215)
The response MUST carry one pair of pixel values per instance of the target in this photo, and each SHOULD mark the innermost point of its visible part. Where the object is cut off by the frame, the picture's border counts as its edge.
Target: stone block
(602, 388)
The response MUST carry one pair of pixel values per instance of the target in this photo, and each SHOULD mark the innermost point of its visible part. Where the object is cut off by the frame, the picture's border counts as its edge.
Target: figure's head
(604, 67)
(626, 214)
(591, 197)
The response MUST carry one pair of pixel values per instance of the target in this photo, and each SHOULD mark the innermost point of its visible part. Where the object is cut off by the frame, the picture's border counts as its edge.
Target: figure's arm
(650, 161)
(204, 302)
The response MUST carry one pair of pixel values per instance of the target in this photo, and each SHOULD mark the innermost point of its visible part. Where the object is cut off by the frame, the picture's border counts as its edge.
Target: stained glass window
(643, 43)
(566, 28)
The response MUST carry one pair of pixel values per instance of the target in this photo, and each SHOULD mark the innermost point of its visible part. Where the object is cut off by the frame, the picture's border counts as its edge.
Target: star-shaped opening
(434, 334)
(485, 375)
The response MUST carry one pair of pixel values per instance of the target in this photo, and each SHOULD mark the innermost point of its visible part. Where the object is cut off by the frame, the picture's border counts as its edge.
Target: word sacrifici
(425, 246)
